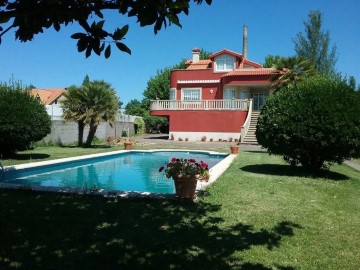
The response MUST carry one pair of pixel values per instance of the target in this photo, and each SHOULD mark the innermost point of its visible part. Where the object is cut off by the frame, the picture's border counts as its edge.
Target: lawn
(260, 214)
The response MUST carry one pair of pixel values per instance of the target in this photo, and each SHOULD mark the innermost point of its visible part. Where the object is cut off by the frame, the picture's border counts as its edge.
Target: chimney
(195, 55)
(245, 42)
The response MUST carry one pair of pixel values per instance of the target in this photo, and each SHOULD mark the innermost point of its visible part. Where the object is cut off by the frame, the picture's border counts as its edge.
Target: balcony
(217, 104)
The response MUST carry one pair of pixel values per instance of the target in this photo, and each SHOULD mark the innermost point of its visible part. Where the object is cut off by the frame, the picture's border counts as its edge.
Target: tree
(313, 123)
(31, 17)
(271, 60)
(158, 87)
(135, 107)
(88, 105)
(23, 119)
(102, 104)
(290, 71)
(74, 109)
(314, 45)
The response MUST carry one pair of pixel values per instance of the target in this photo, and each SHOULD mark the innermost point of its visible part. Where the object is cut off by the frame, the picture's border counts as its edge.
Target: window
(172, 94)
(191, 94)
(229, 94)
(225, 63)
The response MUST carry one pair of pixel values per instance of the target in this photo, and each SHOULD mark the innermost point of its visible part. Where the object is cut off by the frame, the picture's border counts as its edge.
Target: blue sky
(51, 60)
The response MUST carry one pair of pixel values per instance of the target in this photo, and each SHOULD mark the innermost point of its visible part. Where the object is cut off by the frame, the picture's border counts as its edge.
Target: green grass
(260, 214)
(54, 152)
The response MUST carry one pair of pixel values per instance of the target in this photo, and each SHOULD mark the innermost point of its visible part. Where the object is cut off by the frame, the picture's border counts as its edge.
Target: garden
(261, 214)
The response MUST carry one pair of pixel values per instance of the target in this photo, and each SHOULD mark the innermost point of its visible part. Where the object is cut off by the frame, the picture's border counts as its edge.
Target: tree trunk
(81, 127)
(91, 134)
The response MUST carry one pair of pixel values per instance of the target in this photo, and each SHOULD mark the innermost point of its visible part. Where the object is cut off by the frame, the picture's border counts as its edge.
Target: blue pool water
(131, 171)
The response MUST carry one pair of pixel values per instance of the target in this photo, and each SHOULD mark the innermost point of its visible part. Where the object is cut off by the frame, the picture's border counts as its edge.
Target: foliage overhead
(31, 17)
(311, 123)
(23, 119)
(314, 45)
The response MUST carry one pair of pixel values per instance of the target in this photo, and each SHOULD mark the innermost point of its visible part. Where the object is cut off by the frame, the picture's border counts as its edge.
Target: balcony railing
(217, 104)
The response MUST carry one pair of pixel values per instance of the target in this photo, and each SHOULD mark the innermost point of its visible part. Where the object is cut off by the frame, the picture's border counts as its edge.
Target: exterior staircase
(250, 137)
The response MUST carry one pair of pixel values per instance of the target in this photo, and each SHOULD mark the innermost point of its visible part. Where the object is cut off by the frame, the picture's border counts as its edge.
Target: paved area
(353, 164)
(162, 141)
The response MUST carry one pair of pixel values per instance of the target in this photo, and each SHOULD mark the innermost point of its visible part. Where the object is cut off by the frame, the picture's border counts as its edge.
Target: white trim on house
(198, 81)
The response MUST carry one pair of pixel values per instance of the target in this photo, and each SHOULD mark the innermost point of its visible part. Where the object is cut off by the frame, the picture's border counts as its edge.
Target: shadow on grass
(288, 170)
(98, 146)
(28, 156)
(74, 232)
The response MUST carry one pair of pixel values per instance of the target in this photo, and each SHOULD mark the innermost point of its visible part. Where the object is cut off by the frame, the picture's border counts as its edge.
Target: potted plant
(234, 149)
(186, 173)
(128, 144)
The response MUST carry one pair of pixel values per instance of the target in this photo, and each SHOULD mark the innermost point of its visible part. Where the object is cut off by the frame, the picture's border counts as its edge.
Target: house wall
(212, 124)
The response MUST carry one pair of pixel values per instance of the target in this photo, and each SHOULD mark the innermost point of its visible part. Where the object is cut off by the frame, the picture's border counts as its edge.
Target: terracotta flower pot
(234, 149)
(185, 187)
(127, 145)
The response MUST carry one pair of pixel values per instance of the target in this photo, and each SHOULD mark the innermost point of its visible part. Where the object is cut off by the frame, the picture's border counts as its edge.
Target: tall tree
(314, 45)
(30, 17)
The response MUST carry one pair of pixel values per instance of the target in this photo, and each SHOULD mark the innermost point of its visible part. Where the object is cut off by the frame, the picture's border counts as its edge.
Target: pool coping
(215, 173)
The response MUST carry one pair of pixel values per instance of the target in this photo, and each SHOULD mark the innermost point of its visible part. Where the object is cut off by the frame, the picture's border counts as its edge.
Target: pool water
(132, 171)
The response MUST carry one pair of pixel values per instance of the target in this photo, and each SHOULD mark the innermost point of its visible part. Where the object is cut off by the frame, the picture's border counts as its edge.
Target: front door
(258, 101)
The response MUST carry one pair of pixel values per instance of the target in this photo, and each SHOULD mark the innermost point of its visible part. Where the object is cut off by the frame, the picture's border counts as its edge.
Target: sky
(51, 60)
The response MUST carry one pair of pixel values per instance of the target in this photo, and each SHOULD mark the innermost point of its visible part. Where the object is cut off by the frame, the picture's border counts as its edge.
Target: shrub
(139, 126)
(23, 119)
(314, 123)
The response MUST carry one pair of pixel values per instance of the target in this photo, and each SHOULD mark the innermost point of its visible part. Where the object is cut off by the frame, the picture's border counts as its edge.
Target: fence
(66, 133)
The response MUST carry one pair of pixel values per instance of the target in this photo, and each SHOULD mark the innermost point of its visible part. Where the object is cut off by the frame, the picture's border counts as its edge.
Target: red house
(215, 99)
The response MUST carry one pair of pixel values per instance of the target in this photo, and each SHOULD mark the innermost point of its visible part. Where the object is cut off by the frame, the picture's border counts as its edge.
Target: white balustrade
(217, 104)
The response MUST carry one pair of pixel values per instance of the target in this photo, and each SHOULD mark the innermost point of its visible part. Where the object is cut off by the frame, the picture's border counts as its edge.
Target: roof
(251, 63)
(251, 71)
(202, 64)
(48, 96)
(226, 51)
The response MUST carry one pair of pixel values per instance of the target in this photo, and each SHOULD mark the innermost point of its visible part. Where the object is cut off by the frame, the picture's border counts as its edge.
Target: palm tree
(290, 70)
(74, 109)
(102, 104)
(88, 105)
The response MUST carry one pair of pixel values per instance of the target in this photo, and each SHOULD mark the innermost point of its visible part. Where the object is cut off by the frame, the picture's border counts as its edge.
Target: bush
(314, 123)
(23, 119)
(139, 126)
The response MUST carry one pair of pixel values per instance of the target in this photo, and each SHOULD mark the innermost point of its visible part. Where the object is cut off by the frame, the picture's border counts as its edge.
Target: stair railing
(246, 125)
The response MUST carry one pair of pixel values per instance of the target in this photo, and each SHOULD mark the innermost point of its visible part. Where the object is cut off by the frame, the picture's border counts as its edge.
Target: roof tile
(48, 96)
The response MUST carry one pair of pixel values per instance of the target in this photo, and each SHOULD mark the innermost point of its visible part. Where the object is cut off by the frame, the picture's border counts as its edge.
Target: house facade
(214, 98)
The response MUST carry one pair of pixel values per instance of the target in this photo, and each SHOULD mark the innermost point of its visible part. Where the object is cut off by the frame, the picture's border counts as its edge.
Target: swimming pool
(134, 171)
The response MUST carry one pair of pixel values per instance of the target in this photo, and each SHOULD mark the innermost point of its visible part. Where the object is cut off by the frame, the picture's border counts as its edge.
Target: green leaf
(82, 44)
(123, 47)
(108, 51)
(56, 26)
(78, 36)
(88, 51)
